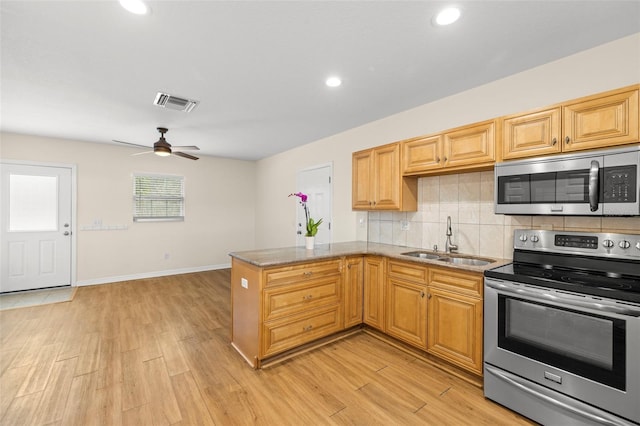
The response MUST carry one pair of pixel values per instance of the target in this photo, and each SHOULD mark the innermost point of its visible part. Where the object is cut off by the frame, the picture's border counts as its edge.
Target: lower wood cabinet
(290, 332)
(455, 328)
(280, 308)
(436, 309)
(455, 317)
(407, 311)
(353, 291)
(374, 278)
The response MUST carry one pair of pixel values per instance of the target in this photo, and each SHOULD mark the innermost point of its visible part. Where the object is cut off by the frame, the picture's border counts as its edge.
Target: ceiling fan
(164, 148)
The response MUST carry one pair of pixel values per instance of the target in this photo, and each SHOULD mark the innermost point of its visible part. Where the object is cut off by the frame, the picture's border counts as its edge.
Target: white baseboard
(154, 274)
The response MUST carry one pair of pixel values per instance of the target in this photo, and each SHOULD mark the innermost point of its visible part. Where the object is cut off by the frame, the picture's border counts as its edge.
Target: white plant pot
(310, 242)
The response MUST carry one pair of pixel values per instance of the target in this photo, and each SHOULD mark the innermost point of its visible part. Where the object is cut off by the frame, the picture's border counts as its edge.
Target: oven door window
(591, 346)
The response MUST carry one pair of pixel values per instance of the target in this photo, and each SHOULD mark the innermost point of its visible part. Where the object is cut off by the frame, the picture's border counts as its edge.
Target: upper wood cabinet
(601, 121)
(464, 148)
(598, 121)
(536, 133)
(377, 183)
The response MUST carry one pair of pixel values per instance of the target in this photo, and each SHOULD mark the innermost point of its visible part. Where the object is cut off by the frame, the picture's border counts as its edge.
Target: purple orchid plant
(312, 226)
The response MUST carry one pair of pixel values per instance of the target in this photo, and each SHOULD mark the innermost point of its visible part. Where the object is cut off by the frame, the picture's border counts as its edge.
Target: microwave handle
(593, 185)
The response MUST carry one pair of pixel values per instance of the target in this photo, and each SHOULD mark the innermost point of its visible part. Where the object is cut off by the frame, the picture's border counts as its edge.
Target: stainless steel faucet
(449, 247)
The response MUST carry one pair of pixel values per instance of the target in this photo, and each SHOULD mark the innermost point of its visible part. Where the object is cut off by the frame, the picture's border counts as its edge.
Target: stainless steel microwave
(593, 183)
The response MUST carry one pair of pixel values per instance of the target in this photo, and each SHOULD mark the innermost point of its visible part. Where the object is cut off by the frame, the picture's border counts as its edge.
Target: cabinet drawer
(301, 273)
(286, 300)
(407, 271)
(289, 332)
(460, 282)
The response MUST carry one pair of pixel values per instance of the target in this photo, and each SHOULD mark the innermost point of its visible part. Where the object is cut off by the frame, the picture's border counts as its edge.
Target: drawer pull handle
(307, 297)
(307, 274)
(307, 328)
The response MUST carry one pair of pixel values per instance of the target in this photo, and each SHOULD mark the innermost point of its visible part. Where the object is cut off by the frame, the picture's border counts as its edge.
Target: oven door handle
(601, 305)
(538, 392)
(593, 185)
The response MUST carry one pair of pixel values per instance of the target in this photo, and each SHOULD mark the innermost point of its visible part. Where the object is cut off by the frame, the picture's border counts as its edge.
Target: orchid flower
(312, 226)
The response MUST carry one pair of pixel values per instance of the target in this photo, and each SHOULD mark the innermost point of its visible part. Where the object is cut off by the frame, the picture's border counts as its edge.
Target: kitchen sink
(422, 255)
(447, 258)
(465, 261)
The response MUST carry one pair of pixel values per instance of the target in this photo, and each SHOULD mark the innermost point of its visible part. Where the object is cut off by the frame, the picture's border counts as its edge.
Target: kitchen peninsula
(285, 299)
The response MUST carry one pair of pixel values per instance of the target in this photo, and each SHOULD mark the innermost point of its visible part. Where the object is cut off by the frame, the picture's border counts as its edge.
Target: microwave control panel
(619, 184)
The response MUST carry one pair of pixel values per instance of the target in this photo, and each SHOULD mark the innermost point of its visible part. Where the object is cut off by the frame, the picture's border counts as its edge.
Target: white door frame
(74, 205)
(320, 166)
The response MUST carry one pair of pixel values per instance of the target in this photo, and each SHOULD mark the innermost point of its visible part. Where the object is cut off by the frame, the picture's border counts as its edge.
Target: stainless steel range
(562, 328)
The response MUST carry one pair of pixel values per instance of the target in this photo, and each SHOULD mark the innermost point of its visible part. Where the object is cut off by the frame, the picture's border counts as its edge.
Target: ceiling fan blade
(144, 152)
(182, 154)
(132, 144)
(185, 148)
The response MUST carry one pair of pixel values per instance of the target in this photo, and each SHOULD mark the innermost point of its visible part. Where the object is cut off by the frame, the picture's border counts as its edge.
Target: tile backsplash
(468, 199)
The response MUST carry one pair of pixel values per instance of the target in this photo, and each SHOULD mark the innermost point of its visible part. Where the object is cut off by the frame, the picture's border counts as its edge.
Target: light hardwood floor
(157, 351)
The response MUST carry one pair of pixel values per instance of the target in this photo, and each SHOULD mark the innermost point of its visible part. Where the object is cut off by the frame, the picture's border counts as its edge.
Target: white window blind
(158, 198)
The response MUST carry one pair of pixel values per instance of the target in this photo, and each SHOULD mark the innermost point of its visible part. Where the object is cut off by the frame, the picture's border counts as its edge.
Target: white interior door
(35, 217)
(316, 183)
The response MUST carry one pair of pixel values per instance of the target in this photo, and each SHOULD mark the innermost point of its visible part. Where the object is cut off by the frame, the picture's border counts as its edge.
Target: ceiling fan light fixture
(137, 7)
(162, 151)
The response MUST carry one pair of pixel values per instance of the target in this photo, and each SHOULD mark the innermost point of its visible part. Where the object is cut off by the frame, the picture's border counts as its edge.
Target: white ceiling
(89, 70)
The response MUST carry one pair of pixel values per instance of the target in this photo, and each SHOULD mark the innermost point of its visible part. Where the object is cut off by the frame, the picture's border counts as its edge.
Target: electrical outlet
(362, 223)
(244, 283)
(404, 225)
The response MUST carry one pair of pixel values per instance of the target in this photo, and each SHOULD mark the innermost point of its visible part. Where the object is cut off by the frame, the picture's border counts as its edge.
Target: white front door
(316, 183)
(35, 217)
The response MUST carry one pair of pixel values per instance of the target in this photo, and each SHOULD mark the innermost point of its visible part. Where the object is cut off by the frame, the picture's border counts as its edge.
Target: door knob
(66, 233)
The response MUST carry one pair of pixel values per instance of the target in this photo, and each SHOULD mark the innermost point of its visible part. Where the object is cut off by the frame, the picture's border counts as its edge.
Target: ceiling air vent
(165, 100)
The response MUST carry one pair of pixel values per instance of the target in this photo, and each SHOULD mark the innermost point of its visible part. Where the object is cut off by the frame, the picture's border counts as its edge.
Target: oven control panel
(580, 241)
(623, 246)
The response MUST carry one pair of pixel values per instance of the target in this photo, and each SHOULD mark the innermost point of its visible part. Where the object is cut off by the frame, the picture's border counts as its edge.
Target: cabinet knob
(429, 296)
(445, 159)
(567, 139)
(437, 159)
(554, 141)
(422, 294)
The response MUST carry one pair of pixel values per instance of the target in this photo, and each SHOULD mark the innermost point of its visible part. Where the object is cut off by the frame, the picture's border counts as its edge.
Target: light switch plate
(244, 283)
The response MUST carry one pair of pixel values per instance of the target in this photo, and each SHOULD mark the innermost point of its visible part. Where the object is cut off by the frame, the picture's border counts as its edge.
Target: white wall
(219, 208)
(606, 67)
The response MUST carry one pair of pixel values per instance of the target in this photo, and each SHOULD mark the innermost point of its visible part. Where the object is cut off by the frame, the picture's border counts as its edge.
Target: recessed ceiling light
(447, 16)
(333, 82)
(135, 6)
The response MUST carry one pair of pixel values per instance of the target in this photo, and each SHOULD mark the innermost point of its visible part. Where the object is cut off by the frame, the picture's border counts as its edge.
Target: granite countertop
(290, 255)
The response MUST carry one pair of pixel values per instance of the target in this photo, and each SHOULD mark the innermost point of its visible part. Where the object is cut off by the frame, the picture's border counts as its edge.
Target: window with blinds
(158, 198)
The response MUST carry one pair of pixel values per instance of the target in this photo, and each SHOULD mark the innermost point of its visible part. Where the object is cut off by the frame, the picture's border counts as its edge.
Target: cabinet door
(419, 155)
(361, 188)
(528, 135)
(406, 313)
(353, 285)
(470, 145)
(455, 329)
(601, 122)
(373, 310)
(386, 177)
